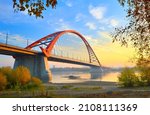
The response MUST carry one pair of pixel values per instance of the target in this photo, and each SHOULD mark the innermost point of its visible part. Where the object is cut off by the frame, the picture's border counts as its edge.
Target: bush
(127, 78)
(7, 71)
(3, 81)
(18, 79)
(145, 75)
(34, 84)
(36, 81)
(22, 75)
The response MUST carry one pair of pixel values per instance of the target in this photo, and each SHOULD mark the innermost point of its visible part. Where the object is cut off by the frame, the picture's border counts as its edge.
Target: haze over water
(78, 76)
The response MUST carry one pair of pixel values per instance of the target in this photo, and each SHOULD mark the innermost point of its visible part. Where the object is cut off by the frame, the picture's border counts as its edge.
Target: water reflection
(72, 77)
(96, 75)
(111, 77)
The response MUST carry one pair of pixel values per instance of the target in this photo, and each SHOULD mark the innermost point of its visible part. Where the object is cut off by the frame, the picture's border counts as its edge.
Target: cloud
(78, 17)
(102, 28)
(91, 25)
(105, 35)
(60, 25)
(114, 22)
(97, 12)
(69, 4)
(91, 40)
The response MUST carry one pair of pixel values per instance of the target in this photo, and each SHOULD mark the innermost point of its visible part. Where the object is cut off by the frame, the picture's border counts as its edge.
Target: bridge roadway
(16, 51)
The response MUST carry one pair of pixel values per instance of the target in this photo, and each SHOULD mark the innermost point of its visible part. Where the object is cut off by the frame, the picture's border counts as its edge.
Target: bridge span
(37, 62)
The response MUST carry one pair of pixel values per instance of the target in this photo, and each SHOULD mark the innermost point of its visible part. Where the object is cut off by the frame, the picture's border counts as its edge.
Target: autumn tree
(33, 7)
(137, 31)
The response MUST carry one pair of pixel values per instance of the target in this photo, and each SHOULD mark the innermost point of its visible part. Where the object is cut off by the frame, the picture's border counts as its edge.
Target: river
(78, 76)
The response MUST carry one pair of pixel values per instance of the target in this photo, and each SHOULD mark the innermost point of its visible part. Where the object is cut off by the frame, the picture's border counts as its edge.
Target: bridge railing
(14, 40)
(73, 57)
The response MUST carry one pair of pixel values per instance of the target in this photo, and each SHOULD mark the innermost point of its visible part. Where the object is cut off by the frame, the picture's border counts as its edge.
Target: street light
(6, 38)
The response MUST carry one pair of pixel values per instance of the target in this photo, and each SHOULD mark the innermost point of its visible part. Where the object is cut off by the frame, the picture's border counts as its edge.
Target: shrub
(127, 78)
(7, 71)
(3, 81)
(18, 79)
(22, 75)
(36, 81)
(145, 75)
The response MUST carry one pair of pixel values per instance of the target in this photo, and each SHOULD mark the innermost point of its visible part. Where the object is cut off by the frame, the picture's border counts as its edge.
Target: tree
(137, 32)
(33, 7)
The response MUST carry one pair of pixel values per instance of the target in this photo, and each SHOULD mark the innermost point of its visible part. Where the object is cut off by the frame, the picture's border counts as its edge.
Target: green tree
(33, 7)
(145, 75)
(127, 78)
(137, 31)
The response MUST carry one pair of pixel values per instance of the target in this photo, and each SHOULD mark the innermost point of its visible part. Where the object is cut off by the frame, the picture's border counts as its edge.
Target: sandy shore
(89, 89)
(97, 89)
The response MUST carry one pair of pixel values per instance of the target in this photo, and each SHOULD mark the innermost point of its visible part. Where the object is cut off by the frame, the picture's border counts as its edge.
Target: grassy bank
(91, 89)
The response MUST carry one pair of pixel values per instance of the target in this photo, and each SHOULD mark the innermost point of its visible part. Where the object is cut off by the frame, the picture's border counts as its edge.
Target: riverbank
(97, 89)
(89, 89)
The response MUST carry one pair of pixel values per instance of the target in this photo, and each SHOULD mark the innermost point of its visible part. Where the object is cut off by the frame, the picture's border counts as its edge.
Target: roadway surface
(18, 51)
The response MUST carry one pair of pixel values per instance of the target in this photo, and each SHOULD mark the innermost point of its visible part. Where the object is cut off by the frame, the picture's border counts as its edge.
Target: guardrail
(15, 40)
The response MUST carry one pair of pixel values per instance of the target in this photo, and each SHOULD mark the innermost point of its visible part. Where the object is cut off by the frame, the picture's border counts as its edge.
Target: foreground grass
(78, 91)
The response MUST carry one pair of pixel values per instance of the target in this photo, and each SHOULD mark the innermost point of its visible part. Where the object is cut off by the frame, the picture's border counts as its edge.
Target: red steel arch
(56, 36)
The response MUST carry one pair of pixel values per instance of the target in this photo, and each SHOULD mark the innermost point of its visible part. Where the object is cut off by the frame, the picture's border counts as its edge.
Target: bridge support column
(38, 66)
(95, 69)
(96, 72)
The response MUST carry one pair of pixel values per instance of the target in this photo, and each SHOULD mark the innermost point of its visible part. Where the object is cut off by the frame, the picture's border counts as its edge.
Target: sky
(94, 19)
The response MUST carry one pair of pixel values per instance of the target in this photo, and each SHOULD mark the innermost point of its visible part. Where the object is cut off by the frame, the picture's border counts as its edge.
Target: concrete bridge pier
(96, 72)
(38, 66)
(95, 69)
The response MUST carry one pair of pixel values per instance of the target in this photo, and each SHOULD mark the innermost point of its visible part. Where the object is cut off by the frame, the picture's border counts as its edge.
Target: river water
(73, 77)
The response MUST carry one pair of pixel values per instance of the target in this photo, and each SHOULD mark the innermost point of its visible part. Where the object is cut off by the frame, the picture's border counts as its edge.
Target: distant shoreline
(69, 69)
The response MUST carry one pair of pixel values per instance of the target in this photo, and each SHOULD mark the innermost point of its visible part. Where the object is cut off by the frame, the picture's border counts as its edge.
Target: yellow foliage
(7, 71)
(22, 75)
(3, 81)
(36, 81)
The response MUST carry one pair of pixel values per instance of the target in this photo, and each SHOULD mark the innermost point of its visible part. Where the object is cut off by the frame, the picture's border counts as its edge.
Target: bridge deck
(14, 50)
(71, 61)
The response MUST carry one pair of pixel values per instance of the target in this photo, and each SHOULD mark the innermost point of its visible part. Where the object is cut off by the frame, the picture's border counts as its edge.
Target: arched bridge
(37, 61)
(50, 40)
